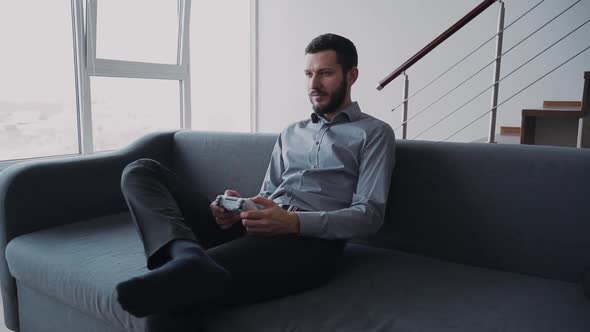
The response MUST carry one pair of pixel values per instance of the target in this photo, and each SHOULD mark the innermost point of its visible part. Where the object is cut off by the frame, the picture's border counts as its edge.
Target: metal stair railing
(497, 68)
(506, 76)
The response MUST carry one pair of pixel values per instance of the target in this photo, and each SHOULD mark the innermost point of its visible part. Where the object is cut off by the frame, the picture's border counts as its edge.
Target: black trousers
(261, 267)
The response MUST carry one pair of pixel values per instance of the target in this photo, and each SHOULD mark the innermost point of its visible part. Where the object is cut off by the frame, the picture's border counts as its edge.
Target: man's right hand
(225, 219)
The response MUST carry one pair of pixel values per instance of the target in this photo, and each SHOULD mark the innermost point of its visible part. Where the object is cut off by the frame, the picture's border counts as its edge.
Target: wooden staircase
(557, 123)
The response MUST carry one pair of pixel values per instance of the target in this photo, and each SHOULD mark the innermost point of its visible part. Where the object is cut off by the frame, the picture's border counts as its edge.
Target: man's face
(327, 87)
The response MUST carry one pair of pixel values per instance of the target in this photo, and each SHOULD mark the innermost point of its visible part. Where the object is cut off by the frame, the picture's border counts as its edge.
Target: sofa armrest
(42, 194)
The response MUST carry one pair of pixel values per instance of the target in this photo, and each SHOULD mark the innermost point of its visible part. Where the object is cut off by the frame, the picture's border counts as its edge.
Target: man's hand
(225, 219)
(272, 220)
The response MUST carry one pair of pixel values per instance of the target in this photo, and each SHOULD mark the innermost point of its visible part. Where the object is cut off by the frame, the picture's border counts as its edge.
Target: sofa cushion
(384, 290)
(79, 264)
(519, 208)
(377, 289)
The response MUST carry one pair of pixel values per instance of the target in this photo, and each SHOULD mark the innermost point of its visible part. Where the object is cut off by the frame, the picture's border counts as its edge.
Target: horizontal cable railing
(519, 92)
(506, 76)
(496, 61)
(467, 56)
(488, 64)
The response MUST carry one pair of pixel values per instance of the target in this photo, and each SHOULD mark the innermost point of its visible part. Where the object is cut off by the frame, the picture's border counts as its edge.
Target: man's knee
(140, 168)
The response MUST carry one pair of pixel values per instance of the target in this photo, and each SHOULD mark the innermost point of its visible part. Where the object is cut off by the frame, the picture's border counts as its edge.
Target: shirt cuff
(312, 224)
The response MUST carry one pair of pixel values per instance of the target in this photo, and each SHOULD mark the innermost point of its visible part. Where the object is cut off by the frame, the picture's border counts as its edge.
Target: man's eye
(326, 73)
(308, 74)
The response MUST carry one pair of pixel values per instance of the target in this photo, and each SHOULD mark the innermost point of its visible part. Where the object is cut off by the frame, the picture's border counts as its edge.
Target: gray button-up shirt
(338, 170)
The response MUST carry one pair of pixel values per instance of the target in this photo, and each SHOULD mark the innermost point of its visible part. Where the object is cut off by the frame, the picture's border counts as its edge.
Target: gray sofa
(477, 238)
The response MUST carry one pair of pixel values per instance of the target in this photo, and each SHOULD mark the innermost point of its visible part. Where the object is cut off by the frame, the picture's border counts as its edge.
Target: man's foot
(190, 276)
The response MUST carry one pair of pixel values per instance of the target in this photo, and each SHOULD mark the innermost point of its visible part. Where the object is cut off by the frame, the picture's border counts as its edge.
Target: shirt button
(317, 143)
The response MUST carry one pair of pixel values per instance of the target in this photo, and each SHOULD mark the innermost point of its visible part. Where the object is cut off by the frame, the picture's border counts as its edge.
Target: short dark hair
(345, 50)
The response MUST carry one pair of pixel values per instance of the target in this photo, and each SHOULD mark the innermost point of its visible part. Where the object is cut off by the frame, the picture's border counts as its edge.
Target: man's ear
(352, 74)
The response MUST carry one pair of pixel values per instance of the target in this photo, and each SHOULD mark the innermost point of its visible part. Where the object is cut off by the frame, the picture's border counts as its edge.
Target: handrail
(437, 41)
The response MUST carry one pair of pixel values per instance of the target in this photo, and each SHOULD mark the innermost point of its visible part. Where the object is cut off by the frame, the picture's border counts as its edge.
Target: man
(327, 181)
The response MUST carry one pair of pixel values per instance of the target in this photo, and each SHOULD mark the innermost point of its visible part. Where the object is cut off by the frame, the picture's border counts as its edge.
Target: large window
(124, 109)
(37, 95)
(134, 78)
(137, 30)
(84, 76)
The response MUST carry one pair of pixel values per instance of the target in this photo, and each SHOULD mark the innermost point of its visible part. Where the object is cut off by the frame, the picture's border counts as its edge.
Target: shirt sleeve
(274, 173)
(367, 210)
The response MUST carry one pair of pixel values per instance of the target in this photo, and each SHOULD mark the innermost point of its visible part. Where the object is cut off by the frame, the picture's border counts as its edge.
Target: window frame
(87, 64)
(83, 16)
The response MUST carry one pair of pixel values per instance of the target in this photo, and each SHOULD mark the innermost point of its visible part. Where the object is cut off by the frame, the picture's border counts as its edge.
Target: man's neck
(330, 116)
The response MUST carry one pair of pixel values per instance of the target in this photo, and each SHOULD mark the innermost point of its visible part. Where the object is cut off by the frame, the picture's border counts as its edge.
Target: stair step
(510, 131)
(562, 104)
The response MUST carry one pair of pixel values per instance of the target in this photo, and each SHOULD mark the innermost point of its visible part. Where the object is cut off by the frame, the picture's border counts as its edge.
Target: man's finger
(225, 226)
(254, 214)
(218, 214)
(225, 218)
(217, 209)
(254, 223)
(233, 193)
(263, 201)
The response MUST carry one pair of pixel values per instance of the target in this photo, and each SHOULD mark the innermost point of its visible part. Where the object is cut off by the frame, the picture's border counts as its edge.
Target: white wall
(220, 65)
(387, 33)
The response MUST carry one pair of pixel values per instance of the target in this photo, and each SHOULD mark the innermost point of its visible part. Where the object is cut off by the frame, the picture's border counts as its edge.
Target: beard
(336, 99)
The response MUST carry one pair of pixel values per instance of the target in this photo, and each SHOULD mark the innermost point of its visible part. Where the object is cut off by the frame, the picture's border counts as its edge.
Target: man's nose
(314, 82)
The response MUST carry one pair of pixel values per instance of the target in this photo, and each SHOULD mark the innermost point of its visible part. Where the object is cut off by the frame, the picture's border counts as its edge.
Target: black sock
(190, 276)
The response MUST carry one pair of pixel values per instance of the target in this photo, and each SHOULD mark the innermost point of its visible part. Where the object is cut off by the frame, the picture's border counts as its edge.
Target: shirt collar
(351, 113)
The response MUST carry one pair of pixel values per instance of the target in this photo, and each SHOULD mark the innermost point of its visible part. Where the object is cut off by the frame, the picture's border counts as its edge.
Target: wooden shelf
(529, 119)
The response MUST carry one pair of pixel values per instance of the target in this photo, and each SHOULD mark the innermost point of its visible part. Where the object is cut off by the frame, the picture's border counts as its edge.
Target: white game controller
(235, 204)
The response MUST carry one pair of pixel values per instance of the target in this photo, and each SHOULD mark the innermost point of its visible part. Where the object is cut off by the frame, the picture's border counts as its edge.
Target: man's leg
(175, 225)
(267, 267)
(261, 268)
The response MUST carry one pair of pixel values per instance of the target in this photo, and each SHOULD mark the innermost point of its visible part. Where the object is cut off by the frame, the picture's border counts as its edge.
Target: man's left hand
(271, 220)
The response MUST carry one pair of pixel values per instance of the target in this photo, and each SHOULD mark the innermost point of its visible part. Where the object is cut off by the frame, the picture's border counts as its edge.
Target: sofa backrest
(215, 161)
(518, 208)
(511, 207)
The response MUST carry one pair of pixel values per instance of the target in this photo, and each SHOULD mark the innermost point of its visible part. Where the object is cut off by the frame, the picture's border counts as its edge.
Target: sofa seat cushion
(79, 265)
(384, 290)
(376, 290)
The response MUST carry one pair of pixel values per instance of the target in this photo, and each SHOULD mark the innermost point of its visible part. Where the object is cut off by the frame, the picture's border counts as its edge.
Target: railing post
(492, 133)
(584, 124)
(405, 112)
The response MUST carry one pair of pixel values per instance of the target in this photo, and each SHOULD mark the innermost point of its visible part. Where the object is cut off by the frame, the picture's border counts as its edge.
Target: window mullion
(133, 69)
(85, 137)
(88, 65)
(184, 63)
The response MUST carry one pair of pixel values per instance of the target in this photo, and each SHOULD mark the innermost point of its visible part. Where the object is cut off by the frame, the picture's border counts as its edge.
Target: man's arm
(367, 210)
(274, 172)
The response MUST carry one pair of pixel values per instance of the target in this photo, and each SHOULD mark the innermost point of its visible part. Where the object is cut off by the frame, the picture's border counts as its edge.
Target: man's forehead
(319, 60)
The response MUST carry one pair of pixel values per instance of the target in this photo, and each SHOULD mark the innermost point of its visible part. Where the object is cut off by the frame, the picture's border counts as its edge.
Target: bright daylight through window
(85, 76)
(37, 88)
